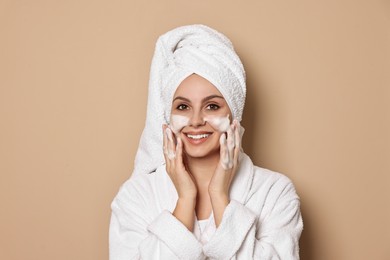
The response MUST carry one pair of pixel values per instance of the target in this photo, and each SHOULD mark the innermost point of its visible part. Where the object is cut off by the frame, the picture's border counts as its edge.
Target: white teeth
(197, 136)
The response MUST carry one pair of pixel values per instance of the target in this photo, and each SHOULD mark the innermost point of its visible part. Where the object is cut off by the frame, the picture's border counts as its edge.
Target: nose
(197, 119)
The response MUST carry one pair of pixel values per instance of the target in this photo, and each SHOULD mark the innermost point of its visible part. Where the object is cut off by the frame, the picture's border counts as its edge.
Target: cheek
(178, 122)
(221, 123)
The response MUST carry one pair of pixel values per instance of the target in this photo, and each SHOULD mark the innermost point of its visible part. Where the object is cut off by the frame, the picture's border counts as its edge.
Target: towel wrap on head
(179, 53)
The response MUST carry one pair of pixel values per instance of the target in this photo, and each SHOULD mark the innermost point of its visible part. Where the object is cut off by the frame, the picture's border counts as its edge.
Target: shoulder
(145, 181)
(143, 188)
(258, 180)
(270, 188)
(270, 191)
(271, 179)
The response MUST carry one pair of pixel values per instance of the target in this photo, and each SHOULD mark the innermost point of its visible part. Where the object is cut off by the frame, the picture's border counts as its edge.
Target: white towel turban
(179, 53)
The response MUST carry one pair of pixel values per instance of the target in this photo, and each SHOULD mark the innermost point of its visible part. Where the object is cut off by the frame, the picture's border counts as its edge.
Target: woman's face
(199, 116)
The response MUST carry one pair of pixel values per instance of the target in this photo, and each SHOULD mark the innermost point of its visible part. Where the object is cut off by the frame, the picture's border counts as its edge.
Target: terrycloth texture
(178, 54)
(262, 221)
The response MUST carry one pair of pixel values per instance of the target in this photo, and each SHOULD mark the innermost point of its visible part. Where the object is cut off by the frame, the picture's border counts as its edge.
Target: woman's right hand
(181, 178)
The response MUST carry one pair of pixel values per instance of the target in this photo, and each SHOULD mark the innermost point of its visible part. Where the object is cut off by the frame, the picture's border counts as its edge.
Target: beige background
(73, 86)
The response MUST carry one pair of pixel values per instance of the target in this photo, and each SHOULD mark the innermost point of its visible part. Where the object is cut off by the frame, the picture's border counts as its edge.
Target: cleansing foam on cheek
(178, 122)
(221, 123)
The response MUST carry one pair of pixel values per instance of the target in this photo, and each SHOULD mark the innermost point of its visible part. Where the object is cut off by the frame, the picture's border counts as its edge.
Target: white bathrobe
(262, 220)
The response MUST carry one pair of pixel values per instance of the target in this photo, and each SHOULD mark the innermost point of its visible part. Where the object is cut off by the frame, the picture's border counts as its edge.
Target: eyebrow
(203, 100)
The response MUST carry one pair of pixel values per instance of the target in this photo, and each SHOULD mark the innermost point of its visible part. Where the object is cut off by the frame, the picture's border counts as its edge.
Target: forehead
(195, 86)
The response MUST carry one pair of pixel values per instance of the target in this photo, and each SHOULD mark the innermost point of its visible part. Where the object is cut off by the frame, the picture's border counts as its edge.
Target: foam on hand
(168, 149)
(226, 160)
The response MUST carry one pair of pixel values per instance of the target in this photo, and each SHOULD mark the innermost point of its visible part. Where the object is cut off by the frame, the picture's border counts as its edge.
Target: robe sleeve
(137, 234)
(274, 235)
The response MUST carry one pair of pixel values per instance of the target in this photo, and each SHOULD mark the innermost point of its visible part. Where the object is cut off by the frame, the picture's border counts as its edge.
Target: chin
(199, 154)
(201, 151)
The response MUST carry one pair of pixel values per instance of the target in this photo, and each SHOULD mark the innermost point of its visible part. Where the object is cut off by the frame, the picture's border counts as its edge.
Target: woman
(194, 194)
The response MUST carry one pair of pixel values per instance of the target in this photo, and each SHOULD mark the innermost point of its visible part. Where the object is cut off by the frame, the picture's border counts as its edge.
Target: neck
(202, 168)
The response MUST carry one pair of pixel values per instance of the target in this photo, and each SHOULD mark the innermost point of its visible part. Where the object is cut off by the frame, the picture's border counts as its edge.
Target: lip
(197, 141)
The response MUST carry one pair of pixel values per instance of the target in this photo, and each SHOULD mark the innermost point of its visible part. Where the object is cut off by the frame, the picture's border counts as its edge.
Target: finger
(179, 160)
(230, 145)
(165, 141)
(179, 153)
(230, 138)
(171, 144)
(237, 140)
(165, 149)
(224, 154)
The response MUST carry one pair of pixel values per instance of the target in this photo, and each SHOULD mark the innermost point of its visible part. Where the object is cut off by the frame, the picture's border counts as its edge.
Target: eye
(212, 107)
(182, 107)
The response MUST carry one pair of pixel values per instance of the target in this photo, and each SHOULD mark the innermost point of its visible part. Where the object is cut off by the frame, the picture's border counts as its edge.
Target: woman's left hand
(228, 163)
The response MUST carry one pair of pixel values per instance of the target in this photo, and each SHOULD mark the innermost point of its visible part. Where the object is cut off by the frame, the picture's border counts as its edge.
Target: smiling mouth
(197, 137)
